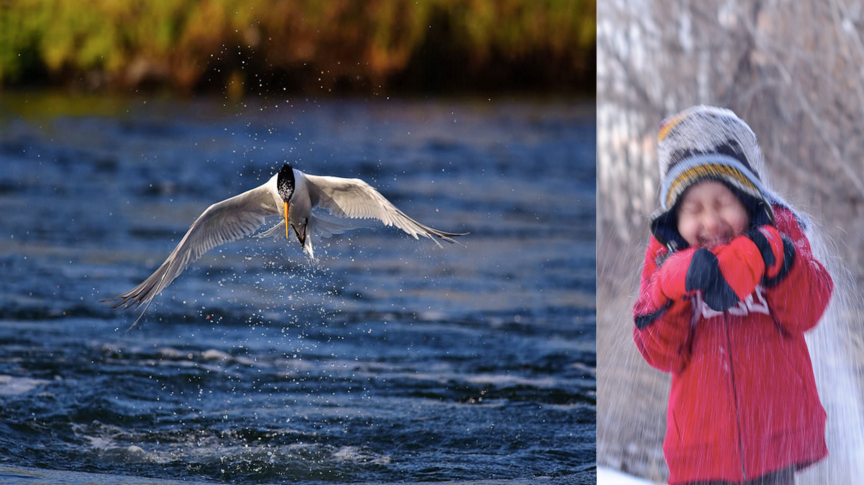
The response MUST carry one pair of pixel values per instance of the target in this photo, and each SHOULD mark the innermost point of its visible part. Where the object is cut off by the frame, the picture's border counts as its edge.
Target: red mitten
(771, 246)
(671, 281)
(741, 265)
(749, 258)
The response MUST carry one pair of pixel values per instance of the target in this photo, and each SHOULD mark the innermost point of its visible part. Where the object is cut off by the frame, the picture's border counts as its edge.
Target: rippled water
(387, 360)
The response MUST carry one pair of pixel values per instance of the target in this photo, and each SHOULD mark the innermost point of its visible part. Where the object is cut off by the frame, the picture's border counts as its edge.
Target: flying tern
(291, 194)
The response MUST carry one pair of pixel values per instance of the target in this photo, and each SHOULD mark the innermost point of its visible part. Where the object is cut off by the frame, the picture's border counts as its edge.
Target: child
(729, 286)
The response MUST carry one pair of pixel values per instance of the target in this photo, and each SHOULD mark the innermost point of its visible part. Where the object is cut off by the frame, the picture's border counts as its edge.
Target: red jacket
(743, 401)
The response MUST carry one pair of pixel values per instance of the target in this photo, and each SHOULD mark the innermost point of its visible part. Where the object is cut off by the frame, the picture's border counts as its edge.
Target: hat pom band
(708, 167)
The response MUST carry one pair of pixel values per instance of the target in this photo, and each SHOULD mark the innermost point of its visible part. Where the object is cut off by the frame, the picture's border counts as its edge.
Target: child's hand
(742, 265)
(706, 274)
(672, 278)
(770, 244)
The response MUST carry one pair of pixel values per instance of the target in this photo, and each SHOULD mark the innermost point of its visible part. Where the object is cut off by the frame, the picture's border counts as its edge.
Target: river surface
(386, 360)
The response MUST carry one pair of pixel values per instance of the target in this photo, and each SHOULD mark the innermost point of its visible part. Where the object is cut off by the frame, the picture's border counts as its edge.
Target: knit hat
(706, 143)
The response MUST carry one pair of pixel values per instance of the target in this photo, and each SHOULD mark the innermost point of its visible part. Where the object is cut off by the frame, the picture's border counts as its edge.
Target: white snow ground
(609, 476)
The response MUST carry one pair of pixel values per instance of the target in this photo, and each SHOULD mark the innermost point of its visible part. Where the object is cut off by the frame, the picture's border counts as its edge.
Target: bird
(291, 194)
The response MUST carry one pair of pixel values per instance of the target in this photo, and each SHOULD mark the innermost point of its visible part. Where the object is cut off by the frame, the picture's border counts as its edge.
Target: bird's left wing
(354, 198)
(222, 222)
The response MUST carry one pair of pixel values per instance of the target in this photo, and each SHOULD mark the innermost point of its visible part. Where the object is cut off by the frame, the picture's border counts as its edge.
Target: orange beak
(286, 205)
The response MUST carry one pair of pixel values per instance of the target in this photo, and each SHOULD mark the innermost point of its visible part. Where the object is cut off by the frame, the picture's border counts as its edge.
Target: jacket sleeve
(800, 293)
(662, 327)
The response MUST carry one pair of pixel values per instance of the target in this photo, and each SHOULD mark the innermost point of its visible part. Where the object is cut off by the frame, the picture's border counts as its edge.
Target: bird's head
(285, 182)
(285, 186)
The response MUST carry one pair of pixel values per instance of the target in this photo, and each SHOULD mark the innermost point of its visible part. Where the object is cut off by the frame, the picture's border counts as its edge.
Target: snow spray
(835, 349)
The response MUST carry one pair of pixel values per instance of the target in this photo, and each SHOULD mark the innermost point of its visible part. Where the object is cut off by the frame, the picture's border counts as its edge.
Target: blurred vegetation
(334, 46)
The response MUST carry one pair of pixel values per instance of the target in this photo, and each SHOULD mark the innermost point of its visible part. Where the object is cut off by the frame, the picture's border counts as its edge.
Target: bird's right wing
(354, 198)
(222, 222)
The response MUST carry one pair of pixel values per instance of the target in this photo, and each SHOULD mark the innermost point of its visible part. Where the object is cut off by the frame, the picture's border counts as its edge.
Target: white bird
(291, 194)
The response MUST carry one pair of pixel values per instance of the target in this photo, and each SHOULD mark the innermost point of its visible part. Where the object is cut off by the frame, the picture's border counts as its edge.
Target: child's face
(710, 215)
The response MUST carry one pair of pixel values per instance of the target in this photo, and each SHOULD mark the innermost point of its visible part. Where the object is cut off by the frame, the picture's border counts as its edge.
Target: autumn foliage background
(325, 47)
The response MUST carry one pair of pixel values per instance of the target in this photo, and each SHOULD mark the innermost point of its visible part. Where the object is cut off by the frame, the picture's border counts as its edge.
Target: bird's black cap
(285, 181)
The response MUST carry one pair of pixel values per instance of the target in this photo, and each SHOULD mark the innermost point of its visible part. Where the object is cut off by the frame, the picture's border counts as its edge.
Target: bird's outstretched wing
(222, 222)
(354, 198)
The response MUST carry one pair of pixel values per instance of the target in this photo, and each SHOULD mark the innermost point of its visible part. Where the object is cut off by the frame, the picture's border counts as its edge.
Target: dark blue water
(387, 360)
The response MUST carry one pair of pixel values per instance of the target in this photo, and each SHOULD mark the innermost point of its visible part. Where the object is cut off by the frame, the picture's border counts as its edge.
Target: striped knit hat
(706, 143)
